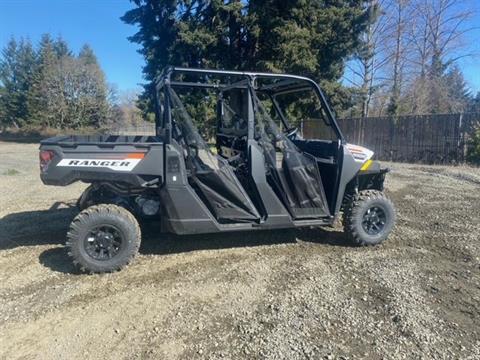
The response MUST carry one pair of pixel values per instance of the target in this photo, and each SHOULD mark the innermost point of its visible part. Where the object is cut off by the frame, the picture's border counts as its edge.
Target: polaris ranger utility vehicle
(262, 172)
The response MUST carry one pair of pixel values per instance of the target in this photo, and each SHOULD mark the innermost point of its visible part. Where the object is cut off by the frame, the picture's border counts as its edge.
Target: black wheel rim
(103, 242)
(374, 220)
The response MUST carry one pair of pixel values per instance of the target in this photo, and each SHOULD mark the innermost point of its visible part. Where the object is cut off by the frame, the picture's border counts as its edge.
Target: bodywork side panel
(354, 178)
(349, 169)
(183, 210)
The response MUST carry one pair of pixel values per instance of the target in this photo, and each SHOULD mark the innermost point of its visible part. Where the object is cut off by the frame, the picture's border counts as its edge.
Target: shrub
(473, 155)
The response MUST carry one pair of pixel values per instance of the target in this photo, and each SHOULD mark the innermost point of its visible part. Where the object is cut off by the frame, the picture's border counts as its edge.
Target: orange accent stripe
(353, 147)
(136, 156)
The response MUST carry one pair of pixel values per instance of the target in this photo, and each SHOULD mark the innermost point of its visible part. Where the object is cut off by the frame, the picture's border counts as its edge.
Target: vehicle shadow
(329, 236)
(49, 227)
(56, 259)
(41, 227)
(154, 243)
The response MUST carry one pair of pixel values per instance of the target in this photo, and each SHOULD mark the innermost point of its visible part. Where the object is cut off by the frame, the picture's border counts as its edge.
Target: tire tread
(82, 219)
(351, 212)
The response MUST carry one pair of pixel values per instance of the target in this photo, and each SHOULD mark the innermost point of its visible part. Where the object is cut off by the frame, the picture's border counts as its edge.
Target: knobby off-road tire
(369, 218)
(103, 238)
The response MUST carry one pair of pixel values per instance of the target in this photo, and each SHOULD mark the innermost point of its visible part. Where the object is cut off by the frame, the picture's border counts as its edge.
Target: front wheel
(369, 218)
(103, 238)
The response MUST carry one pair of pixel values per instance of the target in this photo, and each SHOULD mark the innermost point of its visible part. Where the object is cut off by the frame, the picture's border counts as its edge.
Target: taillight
(46, 157)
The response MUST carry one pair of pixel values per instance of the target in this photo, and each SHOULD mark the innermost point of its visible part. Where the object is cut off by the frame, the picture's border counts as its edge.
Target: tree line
(312, 38)
(49, 86)
(371, 57)
(408, 62)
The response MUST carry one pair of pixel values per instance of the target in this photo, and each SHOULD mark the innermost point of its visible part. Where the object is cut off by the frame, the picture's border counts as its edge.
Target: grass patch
(11, 172)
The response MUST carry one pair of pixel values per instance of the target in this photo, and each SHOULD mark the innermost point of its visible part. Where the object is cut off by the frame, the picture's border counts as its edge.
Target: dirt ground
(272, 295)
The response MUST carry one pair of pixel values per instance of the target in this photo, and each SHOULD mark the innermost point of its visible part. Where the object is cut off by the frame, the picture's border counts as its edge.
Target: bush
(473, 155)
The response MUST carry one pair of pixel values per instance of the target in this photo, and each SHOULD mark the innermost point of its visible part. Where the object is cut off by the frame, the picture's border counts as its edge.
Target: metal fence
(432, 139)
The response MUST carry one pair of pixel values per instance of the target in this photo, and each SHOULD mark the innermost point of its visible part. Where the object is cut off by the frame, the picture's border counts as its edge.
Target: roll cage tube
(279, 111)
(164, 79)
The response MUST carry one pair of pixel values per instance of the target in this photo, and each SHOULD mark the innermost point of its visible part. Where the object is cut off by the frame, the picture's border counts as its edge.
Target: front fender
(368, 179)
(358, 172)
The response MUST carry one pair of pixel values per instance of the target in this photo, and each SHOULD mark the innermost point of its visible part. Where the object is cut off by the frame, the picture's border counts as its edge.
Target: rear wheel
(369, 218)
(103, 238)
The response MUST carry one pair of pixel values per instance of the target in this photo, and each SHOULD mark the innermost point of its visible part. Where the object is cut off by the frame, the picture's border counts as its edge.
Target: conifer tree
(17, 68)
(87, 56)
(51, 86)
(312, 37)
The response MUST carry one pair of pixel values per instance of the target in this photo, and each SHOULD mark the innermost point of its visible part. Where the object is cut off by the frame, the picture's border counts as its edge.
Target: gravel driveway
(272, 295)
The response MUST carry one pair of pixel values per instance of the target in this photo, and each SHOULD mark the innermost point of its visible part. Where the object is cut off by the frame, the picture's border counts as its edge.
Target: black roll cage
(289, 83)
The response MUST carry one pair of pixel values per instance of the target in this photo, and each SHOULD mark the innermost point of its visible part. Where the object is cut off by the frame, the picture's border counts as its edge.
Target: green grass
(11, 172)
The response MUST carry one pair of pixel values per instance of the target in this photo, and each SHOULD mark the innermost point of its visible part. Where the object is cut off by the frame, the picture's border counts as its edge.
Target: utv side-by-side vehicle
(257, 171)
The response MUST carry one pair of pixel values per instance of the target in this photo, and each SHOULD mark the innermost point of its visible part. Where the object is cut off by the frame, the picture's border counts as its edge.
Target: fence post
(392, 137)
(460, 148)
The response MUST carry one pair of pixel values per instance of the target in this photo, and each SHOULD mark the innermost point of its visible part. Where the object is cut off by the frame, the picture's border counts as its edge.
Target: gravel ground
(272, 295)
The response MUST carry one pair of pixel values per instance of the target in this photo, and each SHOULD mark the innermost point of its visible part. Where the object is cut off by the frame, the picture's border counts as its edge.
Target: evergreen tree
(2, 107)
(474, 105)
(17, 67)
(458, 92)
(61, 48)
(46, 49)
(51, 87)
(438, 94)
(47, 60)
(87, 56)
(27, 67)
(8, 68)
(311, 37)
(70, 91)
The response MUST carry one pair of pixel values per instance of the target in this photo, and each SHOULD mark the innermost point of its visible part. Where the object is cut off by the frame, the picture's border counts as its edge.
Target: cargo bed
(136, 161)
